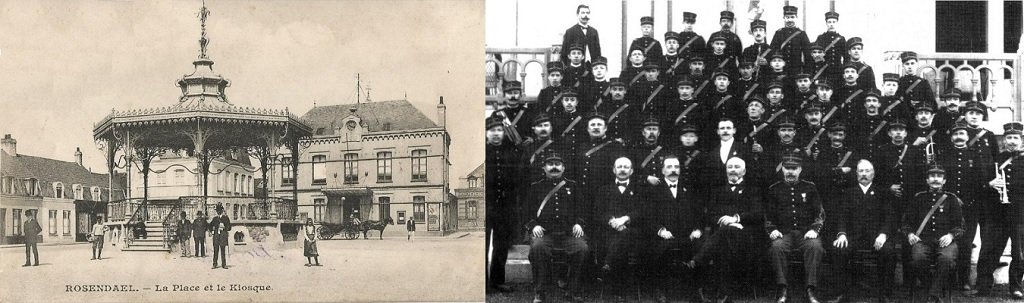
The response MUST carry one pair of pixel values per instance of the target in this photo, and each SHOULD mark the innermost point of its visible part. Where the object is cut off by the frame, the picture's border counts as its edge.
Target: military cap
(791, 160)
(220, 207)
(716, 38)
(646, 20)
(552, 157)
(758, 24)
(837, 126)
(890, 77)
(831, 15)
(596, 115)
(802, 74)
(775, 84)
(494, 122)
(757, 99)
(849, 65)
(812, 107)
(616, 82)
(953, 92)
(651, 65)
(684, 81)
(555, 66)
(908, 56)
(936, 169)
(974, 107)
(823, 83)
(746, 63)
(898, 123)
(650, 121)
(924, 106)
(873, 92)
(815, 46)
(727, 15)
(785, 122)
(688, 128)
(696, 58)
(959, 126)
(576, 46)
(789, 10)
(854, 41)
(671, 35)
(541, 118)
(513, 85)
(569, 93)
(689, 17)
(599, 61)
(776, 55)
(719, 72)
(1013, 128)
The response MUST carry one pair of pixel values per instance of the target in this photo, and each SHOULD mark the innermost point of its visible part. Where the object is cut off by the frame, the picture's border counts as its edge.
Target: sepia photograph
(332, 154)
(754, 151)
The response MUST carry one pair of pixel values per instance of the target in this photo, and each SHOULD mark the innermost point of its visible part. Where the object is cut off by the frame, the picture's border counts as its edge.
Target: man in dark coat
(670, 224)
(794, 217)
(184, 233)
(220, 226)
(865, 220)
(792, 42)
(199, 228)
(733, 45)
(913, 88)
(619, 226)
(1006, 218)
(31, 232)
(933, 221)
(834, 45)
(502, 173)
(647, 43)
(581, 33)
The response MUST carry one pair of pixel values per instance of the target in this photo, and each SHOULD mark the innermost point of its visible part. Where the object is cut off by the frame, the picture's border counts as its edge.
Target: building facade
(64, 195)
(374, 161)
(471, 199)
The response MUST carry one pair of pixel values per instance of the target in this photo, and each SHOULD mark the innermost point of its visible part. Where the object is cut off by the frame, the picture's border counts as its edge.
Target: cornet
(1001, 174)
(929, 152)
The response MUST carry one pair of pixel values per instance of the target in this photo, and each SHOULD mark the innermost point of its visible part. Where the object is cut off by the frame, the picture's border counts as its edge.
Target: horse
(368, 225)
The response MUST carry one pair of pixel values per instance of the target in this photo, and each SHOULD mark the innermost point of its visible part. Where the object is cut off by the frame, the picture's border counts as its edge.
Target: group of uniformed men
(784, 147)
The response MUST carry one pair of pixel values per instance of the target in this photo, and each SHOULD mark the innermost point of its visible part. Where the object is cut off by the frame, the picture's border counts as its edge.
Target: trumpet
(1001, 174)
(929, 152)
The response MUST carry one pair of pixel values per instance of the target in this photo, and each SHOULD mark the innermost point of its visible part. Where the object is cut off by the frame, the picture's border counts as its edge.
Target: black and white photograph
(241, 151)
(754, 151)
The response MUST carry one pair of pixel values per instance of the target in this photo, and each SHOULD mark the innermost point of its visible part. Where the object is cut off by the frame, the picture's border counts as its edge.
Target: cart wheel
(322, 233)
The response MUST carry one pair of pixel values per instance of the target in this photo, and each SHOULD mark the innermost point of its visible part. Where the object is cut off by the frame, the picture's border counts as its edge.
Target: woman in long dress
(309, 245)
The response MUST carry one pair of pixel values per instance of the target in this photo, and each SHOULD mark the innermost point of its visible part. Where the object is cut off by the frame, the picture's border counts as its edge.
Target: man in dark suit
(733, 45)
(618, 212)
(184, 234)
(199, 228)
(555, 220)
(31, 232)
(794, 217)
(671, 224)
(726, 147)
(221, 226)
(864, 223)
(581, 33)
(734, 215)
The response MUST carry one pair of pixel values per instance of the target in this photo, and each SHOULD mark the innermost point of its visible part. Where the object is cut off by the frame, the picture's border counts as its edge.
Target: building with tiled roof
(374, 160)
(471, 195)
(64, 195)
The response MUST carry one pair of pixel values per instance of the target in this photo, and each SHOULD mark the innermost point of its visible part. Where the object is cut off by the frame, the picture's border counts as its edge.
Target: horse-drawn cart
(347, 229)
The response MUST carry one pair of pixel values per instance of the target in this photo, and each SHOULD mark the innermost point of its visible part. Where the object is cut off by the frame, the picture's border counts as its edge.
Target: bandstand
(203, 124)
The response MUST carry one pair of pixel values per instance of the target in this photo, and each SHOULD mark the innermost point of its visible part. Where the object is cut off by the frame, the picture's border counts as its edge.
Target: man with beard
(794, 219)
(726, 147)
(933, 222)
(557, 219)
(515, 115)
(674, 64)
(502, 172)
(734, 216)
(733, 45)
(682, 110)
(967, 170)
(583, 34)
(865, 220)
(721, 102)
(569, 124)
(649, 152)
(758, 52)
(833, 45)
(692, 43)
(1006, 218)
(792, 42)
(867, 125)
(647, 43)
(672, 215)
(849, 95)
(719, 59)
(594, 155)
(619, 211)
(549, 97)
(595, 89)
(866, 75)
(912, 87)
(536, 148)
(618, 110)
(834, 170)
(578, 71)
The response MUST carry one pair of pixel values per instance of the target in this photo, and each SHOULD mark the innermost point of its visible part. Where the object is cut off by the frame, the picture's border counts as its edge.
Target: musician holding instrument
(1006, 215)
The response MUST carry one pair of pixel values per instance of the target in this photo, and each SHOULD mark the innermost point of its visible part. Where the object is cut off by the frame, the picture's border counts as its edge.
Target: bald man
(619, 205)
(865, 220)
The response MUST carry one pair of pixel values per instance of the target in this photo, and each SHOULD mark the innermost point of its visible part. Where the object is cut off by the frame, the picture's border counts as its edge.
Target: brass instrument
(929, 152)
(1001, 174)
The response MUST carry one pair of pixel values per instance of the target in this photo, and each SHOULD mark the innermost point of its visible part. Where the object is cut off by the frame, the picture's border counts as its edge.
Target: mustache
(673, 174)
(555, 170)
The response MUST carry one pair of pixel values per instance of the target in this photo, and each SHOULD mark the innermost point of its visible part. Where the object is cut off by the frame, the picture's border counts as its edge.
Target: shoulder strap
(790, 38)
(830, 45)
(929, 215)
(650, 156)
(977, 137)
(548, 197)
(692, 39)
(685, 112)
(597, 148)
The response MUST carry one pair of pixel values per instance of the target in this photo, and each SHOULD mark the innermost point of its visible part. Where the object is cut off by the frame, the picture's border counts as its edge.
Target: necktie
(671, 186)
(622, 183)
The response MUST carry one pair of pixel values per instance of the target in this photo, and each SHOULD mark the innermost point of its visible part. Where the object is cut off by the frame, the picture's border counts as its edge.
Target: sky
(66, 64)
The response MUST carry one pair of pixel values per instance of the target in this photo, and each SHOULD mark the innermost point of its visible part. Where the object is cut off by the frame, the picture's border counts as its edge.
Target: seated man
(618, 210)
(671, 224)
(794, 218)
(933, 221)
(865, 219)
(555, 221)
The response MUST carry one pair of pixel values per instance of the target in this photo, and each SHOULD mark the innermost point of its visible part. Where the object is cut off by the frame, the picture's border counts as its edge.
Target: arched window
(79, 194)
(58, 190)
(96, 193)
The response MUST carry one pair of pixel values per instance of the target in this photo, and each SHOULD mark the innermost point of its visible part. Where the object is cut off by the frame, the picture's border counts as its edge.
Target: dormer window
(96, 193)
(79, 194)
(58, 190)
(472, 182)
(387, 126)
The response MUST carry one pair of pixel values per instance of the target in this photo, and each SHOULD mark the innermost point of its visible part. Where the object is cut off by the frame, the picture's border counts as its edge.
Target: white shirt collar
(863, 188)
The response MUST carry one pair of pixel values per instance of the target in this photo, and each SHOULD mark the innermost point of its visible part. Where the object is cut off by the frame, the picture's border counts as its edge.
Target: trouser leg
(945, 260)
(886, 270)
(578, 252)
(966, 242)
(779, 253)
(499, 256)
(813, 253)
(844, 265)
(994, 234)
(1017, 252)
(540, 257)
(35, 253)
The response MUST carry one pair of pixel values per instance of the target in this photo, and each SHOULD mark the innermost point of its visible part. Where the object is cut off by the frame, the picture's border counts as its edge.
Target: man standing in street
(220, 225)
(32, 231)
(199, 228)
(97, 232)
(184, 234)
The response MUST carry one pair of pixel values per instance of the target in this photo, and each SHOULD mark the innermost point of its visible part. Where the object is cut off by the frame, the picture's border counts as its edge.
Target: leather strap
(548, 197)
(929, 215)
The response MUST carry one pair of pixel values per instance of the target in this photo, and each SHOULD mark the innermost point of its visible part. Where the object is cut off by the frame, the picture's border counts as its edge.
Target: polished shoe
(782, 296)
(810, 296)
(503, 288)
(1017, 294)
(538, 298)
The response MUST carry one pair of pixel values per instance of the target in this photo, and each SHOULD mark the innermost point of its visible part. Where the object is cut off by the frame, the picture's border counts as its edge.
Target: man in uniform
(758, 52)
(515, 116)
(674, 64)
(786, 144)
(502, 172)
(672, 216)
(1006, 218)
(720, 101)
(733, 45)
(803, 92)
(820, 69)
(684, 109)
(719, 58)
(549, 97)
(833, 45)
(534, 149)
(794, 218)
(981, 139)
(649, 94)
(556, 220)
(865, 220)
(620, 208)
(951, 111)
(866, 75)
(220, 227)
(595, 90)
(792, 42)
(897, 164)
(583, 34)
(746, 86)
(933, 222)
(689, 153)
(755, 130)
(923, 134)
(569, 124)
(834, 169)
(967, 175)
(594, 155)
(901, 109)
(618, 110)
(649, 152)
(868, 125)
(811, 136)
(633, 72)
(650, 46)
(850, 95)
(691, 42)
(912, 87)
(778, 101)
(577, 71)
(701, 82)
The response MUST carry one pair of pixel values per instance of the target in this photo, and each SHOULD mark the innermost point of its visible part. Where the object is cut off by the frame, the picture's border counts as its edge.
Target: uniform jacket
(947, 219)
(564, 209)
(795, 207)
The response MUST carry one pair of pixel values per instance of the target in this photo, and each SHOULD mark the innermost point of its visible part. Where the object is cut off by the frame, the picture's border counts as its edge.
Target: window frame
(67, 222)
(322, 170)
(385, 167)
(351, 168)
(52, 224)
(384, 207)
(418, 165)
(319, 208)
(419, 208)
(58, 190)
(287, 174)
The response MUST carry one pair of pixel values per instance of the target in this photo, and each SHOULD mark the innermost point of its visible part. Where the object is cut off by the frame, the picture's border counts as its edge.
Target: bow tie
(672, 185)
(622, 183)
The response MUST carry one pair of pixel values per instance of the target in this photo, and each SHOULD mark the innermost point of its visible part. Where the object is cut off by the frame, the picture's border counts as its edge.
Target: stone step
(147, 248)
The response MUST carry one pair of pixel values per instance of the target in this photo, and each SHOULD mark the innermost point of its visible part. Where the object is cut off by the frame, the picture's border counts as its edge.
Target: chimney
(441, 113)
(9, 145)
(78, 156)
